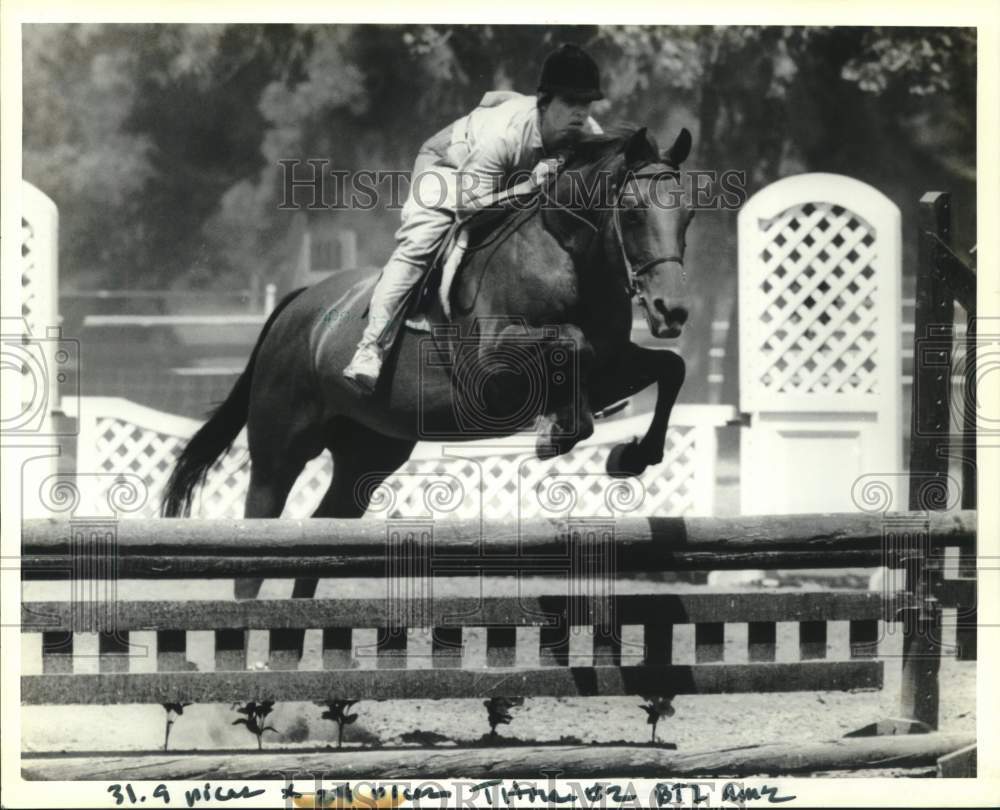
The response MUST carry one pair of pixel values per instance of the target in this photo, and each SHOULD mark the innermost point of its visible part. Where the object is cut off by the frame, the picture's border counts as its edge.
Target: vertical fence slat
(528, 645)
(32, 654)
(258, 647)
(86, 654)
(201, 650)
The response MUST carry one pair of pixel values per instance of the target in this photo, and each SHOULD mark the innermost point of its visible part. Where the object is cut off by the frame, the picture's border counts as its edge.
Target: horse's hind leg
(362, 460)
(267, 493)
(276, 460)
(266, 498)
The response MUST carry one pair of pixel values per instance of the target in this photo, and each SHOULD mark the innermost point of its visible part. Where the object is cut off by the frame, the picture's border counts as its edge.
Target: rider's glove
(545, 170)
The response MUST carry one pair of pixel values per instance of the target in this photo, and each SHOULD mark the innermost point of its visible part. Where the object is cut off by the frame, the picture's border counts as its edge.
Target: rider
(508, 133)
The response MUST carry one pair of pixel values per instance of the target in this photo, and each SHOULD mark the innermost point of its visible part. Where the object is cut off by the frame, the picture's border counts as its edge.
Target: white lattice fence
(38, 300)
(35, 356)
(39, 260)
(488, 479)
(818, 302)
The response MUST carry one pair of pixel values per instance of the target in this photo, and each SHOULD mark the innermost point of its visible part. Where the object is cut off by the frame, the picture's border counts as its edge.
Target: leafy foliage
(336, 710)
(160, 142)
(656, 709)
(173, 710)
(498, 710)
(255, 718)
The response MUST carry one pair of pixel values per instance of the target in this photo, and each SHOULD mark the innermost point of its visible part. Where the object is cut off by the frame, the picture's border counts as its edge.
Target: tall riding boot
(397, 279)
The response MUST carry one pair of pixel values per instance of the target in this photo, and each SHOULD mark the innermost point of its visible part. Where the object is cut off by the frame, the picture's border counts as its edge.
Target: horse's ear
(681, 148)
(639, 148)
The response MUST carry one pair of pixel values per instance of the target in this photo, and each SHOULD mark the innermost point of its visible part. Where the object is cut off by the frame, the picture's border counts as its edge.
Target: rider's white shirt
(498, 140)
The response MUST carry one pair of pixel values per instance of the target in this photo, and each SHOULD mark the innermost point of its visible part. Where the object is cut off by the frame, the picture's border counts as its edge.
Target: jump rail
(349, 548)
(327, 669)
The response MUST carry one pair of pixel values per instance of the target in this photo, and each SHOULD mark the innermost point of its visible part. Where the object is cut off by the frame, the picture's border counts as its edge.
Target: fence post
(934, 317)
(969, 482)
(919, 693)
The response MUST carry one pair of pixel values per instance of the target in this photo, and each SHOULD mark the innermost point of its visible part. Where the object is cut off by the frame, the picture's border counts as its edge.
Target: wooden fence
(629, 651)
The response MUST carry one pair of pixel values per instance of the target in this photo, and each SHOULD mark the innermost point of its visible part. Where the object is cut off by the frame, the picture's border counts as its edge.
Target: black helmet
(569, 72)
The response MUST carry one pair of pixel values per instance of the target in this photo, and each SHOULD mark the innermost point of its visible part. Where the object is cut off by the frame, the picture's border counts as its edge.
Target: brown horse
(540, 321)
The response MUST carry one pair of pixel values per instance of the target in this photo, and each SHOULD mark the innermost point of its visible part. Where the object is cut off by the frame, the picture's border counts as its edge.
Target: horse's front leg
(560, 430)
(634, 370)
(525, 371)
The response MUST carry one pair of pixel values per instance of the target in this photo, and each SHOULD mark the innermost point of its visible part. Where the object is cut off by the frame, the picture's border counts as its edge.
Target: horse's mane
(593, 148)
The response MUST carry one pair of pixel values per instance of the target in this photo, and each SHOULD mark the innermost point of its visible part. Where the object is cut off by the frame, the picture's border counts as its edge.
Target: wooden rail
(330, 548)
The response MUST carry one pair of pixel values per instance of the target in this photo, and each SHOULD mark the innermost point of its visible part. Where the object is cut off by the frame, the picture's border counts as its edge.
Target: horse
(537, 331)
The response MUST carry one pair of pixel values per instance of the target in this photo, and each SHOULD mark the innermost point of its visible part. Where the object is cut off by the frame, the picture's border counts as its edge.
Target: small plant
(656, 709)
(499, 711)
(254, 720)
(336, 711)
(174, 710)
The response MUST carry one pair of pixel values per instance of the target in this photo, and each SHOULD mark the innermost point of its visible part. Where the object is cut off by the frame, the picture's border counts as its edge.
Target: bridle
(633, 274)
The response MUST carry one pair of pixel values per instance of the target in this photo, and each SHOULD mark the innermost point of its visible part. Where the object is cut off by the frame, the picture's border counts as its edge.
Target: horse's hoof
(626, 460)
(544, 450)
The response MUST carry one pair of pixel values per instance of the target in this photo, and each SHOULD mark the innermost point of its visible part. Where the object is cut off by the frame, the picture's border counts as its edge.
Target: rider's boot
(397, 278)
(365, 366)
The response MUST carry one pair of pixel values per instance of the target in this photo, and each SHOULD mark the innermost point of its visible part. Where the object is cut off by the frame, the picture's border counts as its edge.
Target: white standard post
(269, 295)
(820, 301)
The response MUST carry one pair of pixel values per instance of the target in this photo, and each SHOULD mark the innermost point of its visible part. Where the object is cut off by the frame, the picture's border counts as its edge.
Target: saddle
(429, 299)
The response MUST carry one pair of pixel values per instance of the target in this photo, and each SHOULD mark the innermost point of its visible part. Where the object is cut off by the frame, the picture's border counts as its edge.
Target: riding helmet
(569, 72)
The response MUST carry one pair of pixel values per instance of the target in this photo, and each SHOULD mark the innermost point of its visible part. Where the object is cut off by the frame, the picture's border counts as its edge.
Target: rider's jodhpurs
(425, 219)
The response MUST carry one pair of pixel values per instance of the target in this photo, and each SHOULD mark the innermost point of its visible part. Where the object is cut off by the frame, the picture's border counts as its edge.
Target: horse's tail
(217, 435)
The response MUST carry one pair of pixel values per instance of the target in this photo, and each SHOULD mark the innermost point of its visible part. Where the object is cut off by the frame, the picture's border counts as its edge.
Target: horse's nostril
(676, 316)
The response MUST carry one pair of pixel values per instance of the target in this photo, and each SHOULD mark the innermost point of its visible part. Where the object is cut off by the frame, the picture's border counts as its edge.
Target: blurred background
(160, 146)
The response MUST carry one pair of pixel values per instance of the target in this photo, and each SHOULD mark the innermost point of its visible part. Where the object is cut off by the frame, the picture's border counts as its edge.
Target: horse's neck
(532, 279)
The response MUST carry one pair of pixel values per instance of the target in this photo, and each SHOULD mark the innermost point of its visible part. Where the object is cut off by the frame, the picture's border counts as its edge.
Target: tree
(160, 143)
